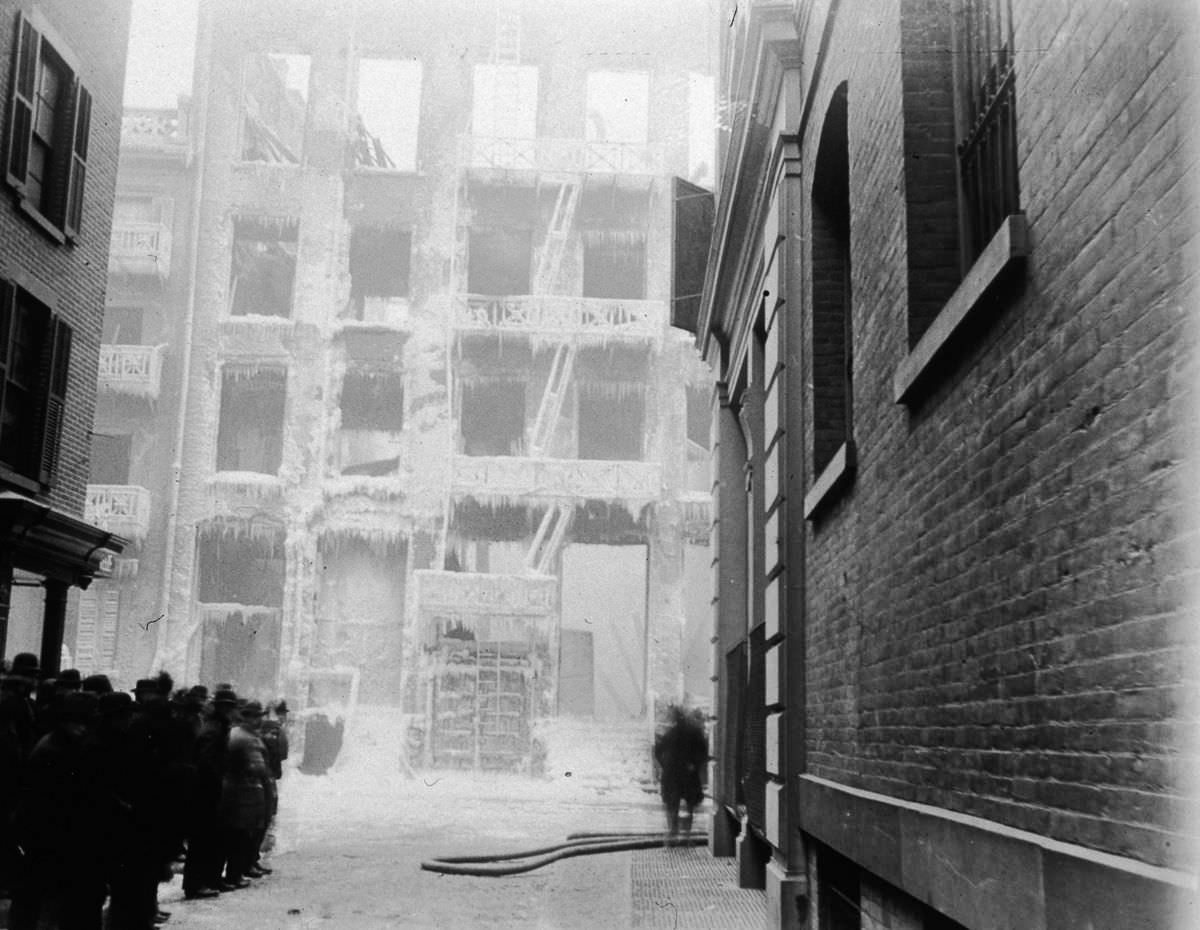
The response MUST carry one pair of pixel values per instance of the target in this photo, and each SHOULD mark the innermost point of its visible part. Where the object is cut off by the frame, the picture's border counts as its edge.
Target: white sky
(162, 38)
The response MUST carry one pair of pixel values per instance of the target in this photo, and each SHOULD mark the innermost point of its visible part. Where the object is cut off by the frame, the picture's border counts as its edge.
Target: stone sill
(1009, 246)
(831, 480)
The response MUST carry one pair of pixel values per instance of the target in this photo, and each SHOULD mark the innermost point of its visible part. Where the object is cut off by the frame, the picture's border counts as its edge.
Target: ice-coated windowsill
(1008, 246)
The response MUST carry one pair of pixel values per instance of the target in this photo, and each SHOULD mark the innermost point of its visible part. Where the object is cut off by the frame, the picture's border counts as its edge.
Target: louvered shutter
(79, 152)
(8, 294)
(85, 631)
(20, 104)
(54, 405)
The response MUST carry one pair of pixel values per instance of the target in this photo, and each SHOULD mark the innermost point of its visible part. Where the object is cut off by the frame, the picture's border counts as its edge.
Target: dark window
(987, 120)
(379, 265)
(49, 124)
(250, 434)
(35, 352)
(831, 304)
(492, 418)
(611, 421)
(838, 892)
(614, 266)
(264, 268)
(372, 407)
(241, 564)
(110, 458)
(499, 261)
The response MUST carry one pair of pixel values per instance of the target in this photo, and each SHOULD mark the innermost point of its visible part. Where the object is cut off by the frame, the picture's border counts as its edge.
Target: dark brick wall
(97, 33)
(995, 604)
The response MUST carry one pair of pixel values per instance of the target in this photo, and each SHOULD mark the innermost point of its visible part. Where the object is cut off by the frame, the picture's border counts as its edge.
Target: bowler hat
(97, 684)
(146, 684)
(69, 678)
(281, 708)
(25, 664)
(252, 709)
(225, 696)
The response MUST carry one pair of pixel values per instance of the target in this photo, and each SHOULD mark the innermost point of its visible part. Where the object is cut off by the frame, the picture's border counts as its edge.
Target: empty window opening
(388, 112)
(240, 563)
(250, 435)
(611, 420)
(614, 265)
(111, 458)
(274, 108)
(492, 417)
(122, 326)
(505, 104)
(264, 268)
(618, 106)
(372, 408)
(831, 336)
(379, 266)
(499, 261)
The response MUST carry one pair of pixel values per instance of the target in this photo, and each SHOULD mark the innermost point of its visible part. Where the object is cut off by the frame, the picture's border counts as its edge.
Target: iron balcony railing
(564, 155)
(159, 131)
(563, 316)
(123, 509)
(135, 370)
(543, 479)
(140, 248)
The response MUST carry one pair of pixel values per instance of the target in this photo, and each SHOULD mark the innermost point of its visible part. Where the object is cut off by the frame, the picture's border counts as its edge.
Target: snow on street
(350, 845)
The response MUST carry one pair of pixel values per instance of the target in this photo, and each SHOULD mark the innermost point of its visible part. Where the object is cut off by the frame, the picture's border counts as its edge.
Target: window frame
(48, 393)
(58, 210)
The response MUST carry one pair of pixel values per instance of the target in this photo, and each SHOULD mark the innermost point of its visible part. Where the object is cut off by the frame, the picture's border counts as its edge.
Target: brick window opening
(831, 296)
(35, 354)
(50, 115)
(250, 433)
(986, 118)
(274, 108)
(388, 110)
(264, 268)
(379, 267)
(614, 265)
(498, 262)
(372, 408)
(492, 417)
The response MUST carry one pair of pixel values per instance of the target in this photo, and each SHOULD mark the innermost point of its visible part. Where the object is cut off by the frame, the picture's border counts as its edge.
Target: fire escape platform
(546, 480)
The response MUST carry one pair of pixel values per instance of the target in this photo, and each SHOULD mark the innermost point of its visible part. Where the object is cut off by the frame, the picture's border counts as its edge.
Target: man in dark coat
(60, 816)
(206, 852)
(682, 755)
(246, 795)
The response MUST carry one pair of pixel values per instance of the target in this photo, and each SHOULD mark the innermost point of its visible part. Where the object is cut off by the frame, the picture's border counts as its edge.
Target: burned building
(433, 443)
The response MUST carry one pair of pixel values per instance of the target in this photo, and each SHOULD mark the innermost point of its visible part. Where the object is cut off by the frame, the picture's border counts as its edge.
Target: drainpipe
(197, 129)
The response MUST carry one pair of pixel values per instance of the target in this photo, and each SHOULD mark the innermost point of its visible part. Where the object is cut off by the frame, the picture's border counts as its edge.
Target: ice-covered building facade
(410, 426)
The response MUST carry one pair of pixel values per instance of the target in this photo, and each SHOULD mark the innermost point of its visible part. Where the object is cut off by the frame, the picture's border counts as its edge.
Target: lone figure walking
(681, 751)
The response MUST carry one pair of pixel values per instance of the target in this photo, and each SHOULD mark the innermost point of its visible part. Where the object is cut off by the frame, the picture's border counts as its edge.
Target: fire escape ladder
(549, 538)
(550, 406)
(555, 244)
(508, 32)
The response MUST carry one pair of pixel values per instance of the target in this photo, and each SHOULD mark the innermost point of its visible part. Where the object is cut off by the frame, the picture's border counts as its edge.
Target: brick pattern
(96, 33)
(996, 605)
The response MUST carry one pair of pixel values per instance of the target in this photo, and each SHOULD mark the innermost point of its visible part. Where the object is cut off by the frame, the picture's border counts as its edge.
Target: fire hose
(577, 844)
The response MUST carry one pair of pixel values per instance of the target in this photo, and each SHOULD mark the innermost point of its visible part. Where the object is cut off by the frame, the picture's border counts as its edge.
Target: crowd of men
(102, 793)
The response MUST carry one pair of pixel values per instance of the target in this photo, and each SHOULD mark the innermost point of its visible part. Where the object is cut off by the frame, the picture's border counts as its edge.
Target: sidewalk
(685, 888)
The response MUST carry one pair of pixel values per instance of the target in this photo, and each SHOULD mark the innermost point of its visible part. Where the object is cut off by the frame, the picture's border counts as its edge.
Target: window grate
(987, 150)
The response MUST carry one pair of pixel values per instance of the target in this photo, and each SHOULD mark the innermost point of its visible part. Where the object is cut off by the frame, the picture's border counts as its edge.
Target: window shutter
(79, 154)
(20, 104)
(54, 407)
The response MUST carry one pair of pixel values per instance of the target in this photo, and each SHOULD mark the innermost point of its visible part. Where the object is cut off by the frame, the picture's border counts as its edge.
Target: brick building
(947, 297)
(395, 411)
(63, 72)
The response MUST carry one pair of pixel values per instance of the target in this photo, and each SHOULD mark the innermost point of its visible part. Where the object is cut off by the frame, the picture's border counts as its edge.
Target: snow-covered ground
(350, 843)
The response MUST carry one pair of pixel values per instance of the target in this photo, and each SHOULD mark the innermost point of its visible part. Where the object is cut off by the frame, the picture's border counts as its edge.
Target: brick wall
(995, 604)
(97, 33)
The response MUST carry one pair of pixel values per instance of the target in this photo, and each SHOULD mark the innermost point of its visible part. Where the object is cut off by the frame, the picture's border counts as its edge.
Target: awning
(52, 543)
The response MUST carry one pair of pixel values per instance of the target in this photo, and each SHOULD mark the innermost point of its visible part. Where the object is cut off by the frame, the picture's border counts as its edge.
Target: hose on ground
(576, 844)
